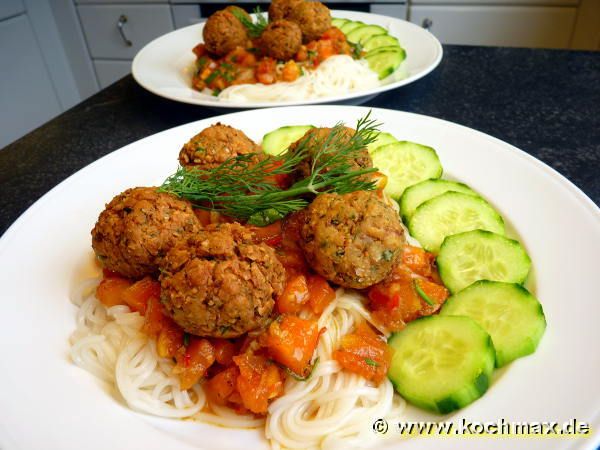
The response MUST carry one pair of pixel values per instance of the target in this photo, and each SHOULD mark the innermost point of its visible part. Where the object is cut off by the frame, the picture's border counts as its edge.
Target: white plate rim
(586, 202)
(435, 44)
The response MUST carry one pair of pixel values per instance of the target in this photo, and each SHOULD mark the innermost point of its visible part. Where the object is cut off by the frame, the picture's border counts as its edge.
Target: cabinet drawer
(9, 8)
(109, 71)
(511, 26)
(142, 24)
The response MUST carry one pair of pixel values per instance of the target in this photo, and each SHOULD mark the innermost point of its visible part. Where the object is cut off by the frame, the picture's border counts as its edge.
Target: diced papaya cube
(170, 339)
(291, 341)
(137, 295)
(320, 293)
(193, 361)
(294, 295)
(110, 291)
(259, 382)
(364, 353)
(220, 387)
(224, 351)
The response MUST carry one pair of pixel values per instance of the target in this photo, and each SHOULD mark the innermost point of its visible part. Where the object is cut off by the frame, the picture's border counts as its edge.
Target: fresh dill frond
(244, 187)
(255, 28)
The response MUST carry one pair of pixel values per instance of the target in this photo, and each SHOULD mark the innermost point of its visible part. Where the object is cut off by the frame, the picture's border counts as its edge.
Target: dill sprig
(240, 187)
(255, 29)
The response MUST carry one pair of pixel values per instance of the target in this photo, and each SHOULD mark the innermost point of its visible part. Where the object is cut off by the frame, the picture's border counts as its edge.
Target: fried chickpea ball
(237, 11)
(313, 18)
(221, 283)
(315, 138)
(138, 227)
(223, 32)
(282, 9)
(353, 240)
(214, 145)
(280, 40)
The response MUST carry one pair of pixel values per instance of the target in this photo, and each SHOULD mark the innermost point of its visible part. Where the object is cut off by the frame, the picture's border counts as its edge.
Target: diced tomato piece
(334, 34)
(170, 339)
(193, 361)
(435, 292)
(200, 50)
(302, 54)
(259, 382)
(220, 387)
(266, 71)
(107, 273)
(320, 293)
(291, 341)
(294, 295)
(203, 216)
(418, 260)
(364, 353)
(139, 292)
(270, 234)
(110, 291)
(224, 351)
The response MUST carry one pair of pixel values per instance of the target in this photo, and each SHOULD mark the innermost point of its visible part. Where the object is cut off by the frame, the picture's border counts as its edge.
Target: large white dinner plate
(47, 402)
(165, 65)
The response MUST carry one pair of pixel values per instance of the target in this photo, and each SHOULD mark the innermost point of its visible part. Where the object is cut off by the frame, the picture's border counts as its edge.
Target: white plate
(47, 402)
(165, 65)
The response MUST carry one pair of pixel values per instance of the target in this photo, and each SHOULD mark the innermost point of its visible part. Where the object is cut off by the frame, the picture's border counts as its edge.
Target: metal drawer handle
(122, 21)
(427, 23)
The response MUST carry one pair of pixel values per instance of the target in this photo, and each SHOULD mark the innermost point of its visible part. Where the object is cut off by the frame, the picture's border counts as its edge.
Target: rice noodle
(338, 74)
(333, 409)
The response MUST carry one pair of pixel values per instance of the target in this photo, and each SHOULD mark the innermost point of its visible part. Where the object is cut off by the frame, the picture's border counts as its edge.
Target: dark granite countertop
(545, 102)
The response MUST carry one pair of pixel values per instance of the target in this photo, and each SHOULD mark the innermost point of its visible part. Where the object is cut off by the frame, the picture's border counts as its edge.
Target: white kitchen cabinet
(512, 26)
(140, 25)
(28, 96)
(109, 71)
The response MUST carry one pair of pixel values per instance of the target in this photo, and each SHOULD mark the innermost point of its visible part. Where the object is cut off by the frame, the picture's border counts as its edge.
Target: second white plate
(164, 66)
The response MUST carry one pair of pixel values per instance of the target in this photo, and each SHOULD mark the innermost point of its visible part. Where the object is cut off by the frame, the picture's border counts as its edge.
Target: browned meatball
(138, 227)
(316, 138)
(214, 145)
(280, 40)
(282, 9)
(313, 18)
(353, 240)
(238, 12)
(223, 32)
(221, 283)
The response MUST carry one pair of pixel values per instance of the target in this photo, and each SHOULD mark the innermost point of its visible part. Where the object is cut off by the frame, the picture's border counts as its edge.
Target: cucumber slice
(388, 48)
(381, 40)
(384, 63)
(351, 25)
(382, 139)
(452, 213)
(418, 194)
(480, 255)
(361, 34)
(277, 141)
(337, 22)
(441, 363)
(406, 163)
(508, 312)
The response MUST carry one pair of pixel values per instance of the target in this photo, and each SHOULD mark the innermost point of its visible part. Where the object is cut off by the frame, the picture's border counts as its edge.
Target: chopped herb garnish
(186, 339)
(238, 187)
(422, 294)
(216, 92)
(308, 376)
(312, 54)
(255, 29)
(212, 77)
(387, 255)
(224, 329)
(370, 362)
(356, 50)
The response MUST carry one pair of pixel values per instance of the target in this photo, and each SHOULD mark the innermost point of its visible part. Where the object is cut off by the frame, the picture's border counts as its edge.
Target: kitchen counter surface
(546, 102)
